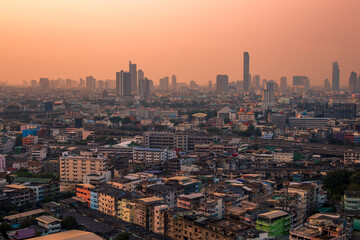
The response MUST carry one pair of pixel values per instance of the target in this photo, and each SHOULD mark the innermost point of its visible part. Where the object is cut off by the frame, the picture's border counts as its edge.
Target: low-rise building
(321, 226)
(50, 223)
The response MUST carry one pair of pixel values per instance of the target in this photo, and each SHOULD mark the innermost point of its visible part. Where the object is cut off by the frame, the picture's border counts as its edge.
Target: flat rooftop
(24, 214)
(70, 235)
(273, 214)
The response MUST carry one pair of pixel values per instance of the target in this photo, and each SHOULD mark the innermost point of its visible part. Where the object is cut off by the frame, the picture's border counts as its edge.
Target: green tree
(355, 178)
(336, 182)
(27, 222)
(69, 223)
(126, 120)
(123, 236)
(5, 227)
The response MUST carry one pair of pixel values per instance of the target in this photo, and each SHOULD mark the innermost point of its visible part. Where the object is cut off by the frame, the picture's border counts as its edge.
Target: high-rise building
(123, 83)
(44, 84)
(210, 86)
(327, 85)
(90, 83)
(301, 81)
(144, 87)
(269, 95)
(164, 83)
(283, 83)
(173, 82)
(193, 85)
(81, 82)
(256, 82)
(33, 83)
(222, 82)
(133, 72)
(141, 75)
(246, 71)
(353, 84)
(335, 76)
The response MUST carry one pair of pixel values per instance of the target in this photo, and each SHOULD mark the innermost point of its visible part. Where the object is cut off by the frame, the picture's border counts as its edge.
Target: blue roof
(154, 180)
(149, 149)
(154, 171)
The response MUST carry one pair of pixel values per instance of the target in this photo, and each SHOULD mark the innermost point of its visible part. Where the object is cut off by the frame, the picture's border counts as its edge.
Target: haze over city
(196, 40)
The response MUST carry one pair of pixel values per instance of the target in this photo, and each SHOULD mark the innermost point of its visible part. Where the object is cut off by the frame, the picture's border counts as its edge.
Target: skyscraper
(222, 82)
(123, 83)
(133, 72)
(246, 72)
(173, 82)
(301, 81)
(164, 83)
(335, 76)
(269, 95)
(90, 83)
(144, 87)
(210, 85)
(283, 83)
(353, 84)
(256, 82)
(44, 84)
(327, 85)
(141, 75)
(33, 83)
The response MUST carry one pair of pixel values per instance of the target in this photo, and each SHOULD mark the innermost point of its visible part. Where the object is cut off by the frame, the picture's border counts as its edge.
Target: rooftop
(48, 219)
(70, 235)
(273, 214)
(24, 214)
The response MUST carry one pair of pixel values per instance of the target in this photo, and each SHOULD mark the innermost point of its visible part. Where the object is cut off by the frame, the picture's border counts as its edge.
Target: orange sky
(194, 39)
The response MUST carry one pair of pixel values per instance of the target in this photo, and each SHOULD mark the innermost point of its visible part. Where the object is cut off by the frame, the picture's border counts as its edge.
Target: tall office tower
(144, 87)
(44, 84)
(283, 83)
(222, 83)
(335, 76)
(151, 86)
(164, 83)
(68, 83)
(33, 83)
(353, 84)
(141, 86)
(256, 82)
(210, 86)
(81, 82)
(173, 82)
(327, 85)
(269, 95)
(246, 71)
(90, 83)
(133, 72)
(141, 75)
(301, 81)
(123, 83)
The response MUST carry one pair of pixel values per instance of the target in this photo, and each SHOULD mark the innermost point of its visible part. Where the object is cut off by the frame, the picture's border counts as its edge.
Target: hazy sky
(194, 39)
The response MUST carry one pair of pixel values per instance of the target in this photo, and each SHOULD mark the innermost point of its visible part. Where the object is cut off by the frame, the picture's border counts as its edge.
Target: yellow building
(74, 168)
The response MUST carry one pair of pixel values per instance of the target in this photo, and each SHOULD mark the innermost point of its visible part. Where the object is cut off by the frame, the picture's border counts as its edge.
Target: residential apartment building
(211, 207)
(73, 168)
(321, 226)
(142, 210)
(152, 156)
(351, 201)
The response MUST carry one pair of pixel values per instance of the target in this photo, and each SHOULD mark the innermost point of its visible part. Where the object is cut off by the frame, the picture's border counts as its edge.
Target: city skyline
(58, 39)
